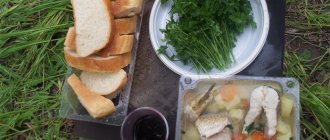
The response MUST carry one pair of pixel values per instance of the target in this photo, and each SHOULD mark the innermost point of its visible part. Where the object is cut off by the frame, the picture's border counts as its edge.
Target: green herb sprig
(205, 32)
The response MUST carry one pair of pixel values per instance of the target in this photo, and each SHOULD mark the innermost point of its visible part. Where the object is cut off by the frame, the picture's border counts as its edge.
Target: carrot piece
(245, 103)
(228, 92)
(239, 136)
(258, 136)
(261, 136)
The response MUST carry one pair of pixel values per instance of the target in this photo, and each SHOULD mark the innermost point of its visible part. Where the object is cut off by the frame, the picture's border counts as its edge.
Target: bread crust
(116, 92)
(74, 13)
(96, 105)
(120, 45)
(111, 21)
(122, 84)
(126, 26)
(126, 8)
(97, 64)
(70, 39)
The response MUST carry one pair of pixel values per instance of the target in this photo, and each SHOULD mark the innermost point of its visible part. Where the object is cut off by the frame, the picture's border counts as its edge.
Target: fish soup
(238, 109)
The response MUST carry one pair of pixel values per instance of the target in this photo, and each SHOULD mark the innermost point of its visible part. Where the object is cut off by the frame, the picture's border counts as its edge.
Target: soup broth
(233, 99)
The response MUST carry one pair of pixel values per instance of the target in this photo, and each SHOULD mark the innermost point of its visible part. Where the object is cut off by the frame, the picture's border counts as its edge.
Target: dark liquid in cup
(149, 128)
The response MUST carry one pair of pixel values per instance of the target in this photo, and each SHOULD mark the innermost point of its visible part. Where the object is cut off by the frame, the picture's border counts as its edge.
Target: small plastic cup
(127, 129)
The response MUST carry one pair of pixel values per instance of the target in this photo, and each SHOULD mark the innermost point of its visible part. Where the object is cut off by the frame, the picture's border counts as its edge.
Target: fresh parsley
(254, 127)
(205, 32)
(162, 50)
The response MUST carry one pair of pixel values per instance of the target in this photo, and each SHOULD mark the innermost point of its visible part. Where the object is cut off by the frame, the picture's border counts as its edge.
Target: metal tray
(71, 107)
(288, 86)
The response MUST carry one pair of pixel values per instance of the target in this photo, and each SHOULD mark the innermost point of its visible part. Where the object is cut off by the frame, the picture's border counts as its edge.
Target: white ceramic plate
(248, 44)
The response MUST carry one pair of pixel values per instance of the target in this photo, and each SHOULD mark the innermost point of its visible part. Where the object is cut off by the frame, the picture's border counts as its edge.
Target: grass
(32, 66)
(307, 58)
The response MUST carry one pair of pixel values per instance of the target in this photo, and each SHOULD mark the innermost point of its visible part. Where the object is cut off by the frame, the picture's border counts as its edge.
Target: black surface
(153, 82)
(96, 131)
(270, 60)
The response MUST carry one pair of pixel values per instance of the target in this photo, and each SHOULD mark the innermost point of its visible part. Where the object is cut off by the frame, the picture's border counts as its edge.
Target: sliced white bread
(104, 83)
(126, 8)
(96, 63)
(96, 105)
(93, 25)
(125, 26)
(121, 44)
(70, 39)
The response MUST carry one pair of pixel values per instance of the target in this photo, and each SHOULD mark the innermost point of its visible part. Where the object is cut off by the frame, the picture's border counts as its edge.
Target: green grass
(32, 66)
(307, 58)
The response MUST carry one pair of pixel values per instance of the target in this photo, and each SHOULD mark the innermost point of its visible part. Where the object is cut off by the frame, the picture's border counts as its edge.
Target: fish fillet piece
(270, 105)
(197, 106)
(256, 101)
(211, 124)
(266, 98)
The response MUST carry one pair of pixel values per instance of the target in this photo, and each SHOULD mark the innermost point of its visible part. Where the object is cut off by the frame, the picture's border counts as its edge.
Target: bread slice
(126, 8)
(104, 83)
(96, 63)
(121, 44)
(70, 39)
(93, 24)
(96, 105)
(125, 26)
